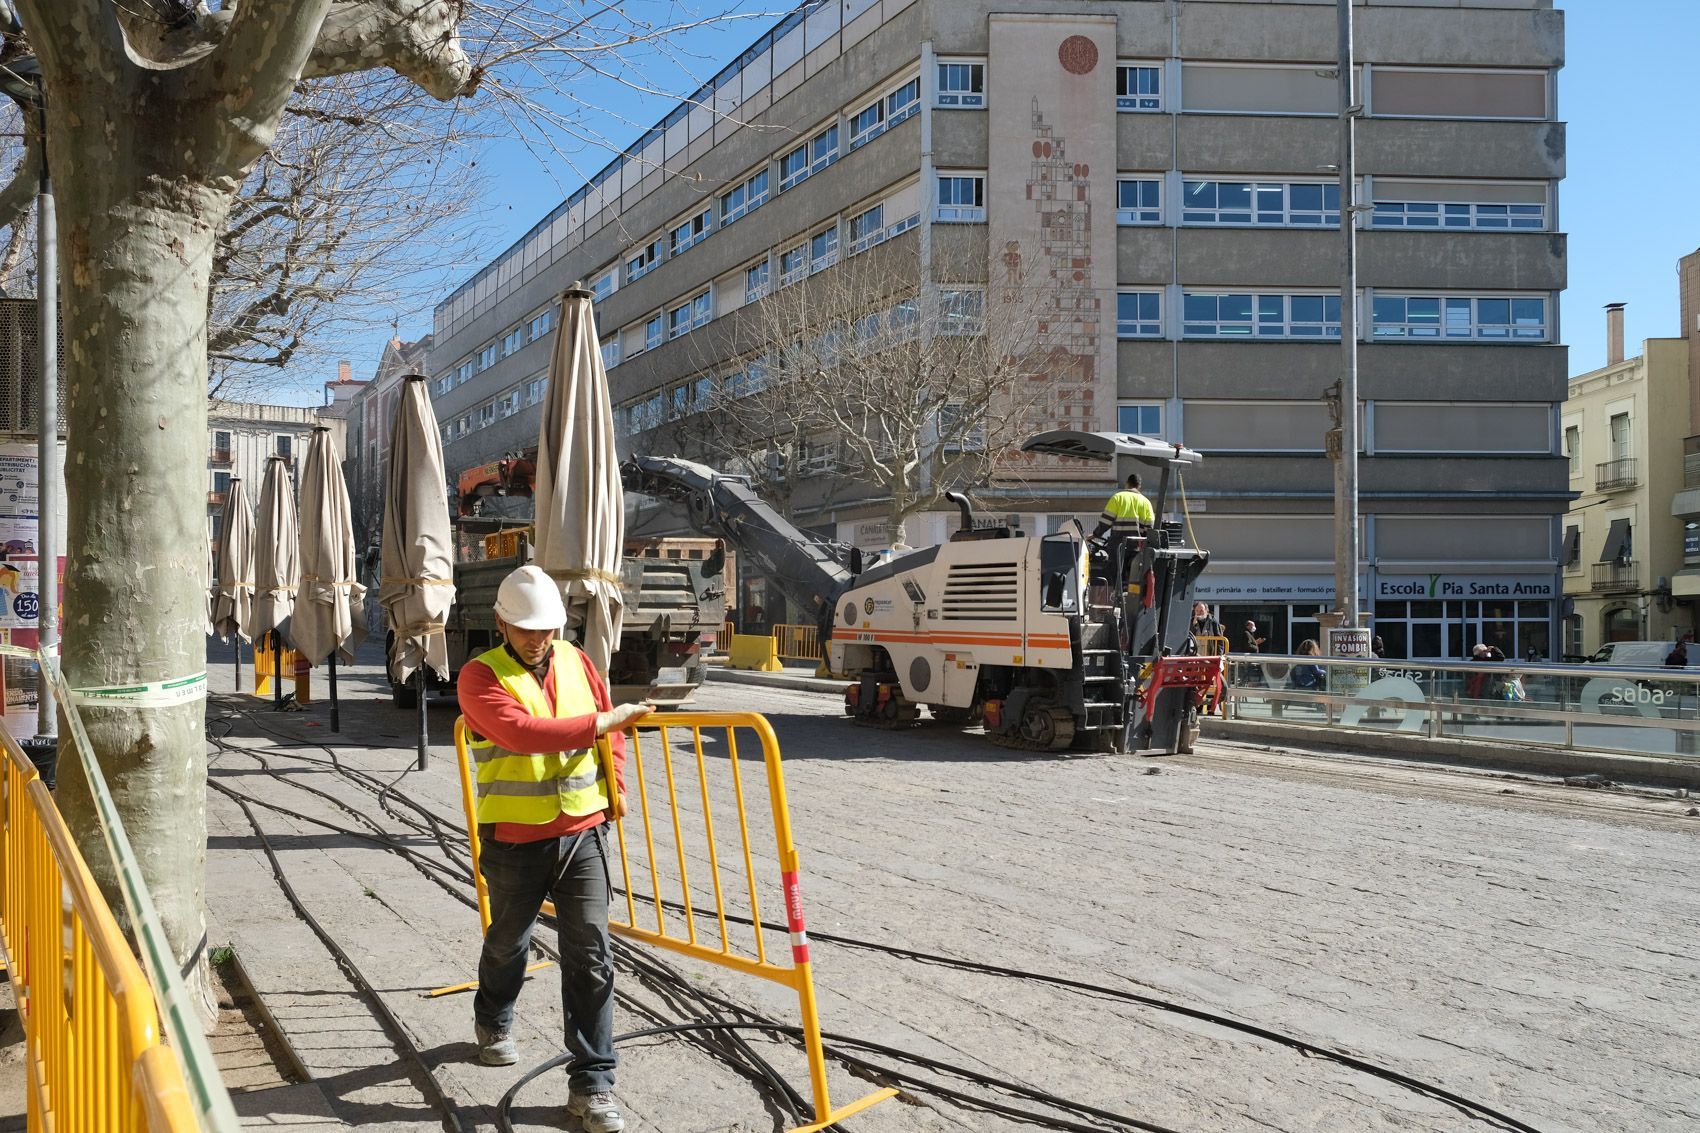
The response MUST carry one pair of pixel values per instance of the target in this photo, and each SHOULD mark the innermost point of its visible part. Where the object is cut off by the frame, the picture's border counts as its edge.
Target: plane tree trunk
(149, 138)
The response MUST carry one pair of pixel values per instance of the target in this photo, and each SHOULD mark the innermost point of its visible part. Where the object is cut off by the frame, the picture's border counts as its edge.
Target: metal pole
(236, 641)
(1346, 469)
(424, 733)
(277, 669)
(336, 716)
(47, 440)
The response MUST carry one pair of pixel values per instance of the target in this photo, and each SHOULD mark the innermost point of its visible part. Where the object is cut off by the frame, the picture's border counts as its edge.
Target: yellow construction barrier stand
(725, 951)
(294, 667)
(757, 652)
(91, 1030)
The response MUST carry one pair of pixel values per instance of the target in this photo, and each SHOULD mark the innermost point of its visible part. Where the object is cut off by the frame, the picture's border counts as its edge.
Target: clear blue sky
(1627, 94)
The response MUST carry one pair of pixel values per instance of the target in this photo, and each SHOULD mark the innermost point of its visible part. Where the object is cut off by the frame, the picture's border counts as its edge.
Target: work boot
(598, 1112)
(495, 1048)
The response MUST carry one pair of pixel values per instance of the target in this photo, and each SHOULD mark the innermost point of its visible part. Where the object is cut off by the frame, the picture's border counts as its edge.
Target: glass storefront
(1436, 629)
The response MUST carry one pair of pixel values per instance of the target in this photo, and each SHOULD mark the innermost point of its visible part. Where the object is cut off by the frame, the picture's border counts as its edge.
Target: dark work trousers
(573, 872)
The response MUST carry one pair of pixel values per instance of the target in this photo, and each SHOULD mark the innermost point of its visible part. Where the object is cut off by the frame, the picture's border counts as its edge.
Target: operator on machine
(536, 706)
(1128, 512)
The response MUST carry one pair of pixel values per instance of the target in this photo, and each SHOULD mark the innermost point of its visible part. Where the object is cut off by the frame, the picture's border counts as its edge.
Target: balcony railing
(1574, 566)
(1615, 475)
(1616, 577)
(215, 499)
(220, 456)
(1691, 470)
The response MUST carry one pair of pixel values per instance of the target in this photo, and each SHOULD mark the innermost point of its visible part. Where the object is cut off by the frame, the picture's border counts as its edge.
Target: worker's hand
(621, 717)
(617, 808)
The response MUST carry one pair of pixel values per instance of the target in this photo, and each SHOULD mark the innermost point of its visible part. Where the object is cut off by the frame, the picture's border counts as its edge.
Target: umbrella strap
(418, 581)
(585, 576)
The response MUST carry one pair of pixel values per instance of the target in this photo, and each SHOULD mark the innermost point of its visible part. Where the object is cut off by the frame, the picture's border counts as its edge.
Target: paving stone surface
(1520, 943)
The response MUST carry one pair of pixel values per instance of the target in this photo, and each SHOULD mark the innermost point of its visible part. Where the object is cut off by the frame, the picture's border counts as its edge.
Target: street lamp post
(1341, 630)
(21, 81)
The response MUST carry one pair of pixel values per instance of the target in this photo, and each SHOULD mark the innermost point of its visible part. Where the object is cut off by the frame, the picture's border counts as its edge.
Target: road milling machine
(1052, 642)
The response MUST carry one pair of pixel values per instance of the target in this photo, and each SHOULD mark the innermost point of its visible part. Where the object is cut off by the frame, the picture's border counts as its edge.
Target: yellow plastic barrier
(694, 836)
(91, 1032)
(797, 643)
(754, 651)
(1211, 646)
(294, 665)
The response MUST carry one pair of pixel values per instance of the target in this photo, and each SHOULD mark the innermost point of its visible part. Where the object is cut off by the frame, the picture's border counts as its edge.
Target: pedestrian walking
(536, 707)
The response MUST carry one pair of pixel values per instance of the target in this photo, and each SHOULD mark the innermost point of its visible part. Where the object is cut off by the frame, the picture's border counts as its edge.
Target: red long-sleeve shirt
(494, 714)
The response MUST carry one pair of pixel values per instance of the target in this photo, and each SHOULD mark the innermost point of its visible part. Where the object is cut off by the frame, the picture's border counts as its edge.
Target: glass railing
(1592, 707)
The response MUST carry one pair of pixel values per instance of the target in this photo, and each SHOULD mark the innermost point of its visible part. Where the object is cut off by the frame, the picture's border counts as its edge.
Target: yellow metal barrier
(797, 643)
(294, 667)
(91, 1031)
(1210, 645)
(754, 651)
(723, 642)
(694, 836)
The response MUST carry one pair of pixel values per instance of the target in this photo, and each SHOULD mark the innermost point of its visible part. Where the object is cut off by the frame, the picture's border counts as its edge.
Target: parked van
(1641, 654)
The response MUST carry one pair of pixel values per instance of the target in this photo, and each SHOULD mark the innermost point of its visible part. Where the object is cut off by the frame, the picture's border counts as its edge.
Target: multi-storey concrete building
(1166, 166)
(365, 466)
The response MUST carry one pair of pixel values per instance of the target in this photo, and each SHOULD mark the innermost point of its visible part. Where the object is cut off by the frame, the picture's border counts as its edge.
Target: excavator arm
(812, 572)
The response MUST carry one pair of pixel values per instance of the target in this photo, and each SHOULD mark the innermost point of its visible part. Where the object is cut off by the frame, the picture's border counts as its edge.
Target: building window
(687, 232)
(867, 228)
(1139, 200)
(487, 357)
(444, 385)
(689, 315)
(604, 285)
(823, 249)
(644, 260)
(285, 446)
(221, 445)
(884, 112)
(512, 341)
(793, 264)
(611, 352)
(537, 387)
(221, 483)
(1141, 418)
(960, 312)
(652, 336)
(962, 84)
(1460, 215)
(703, 391)
(1139, 86)
(755, 281)
(1618, 430)
(463, 372)
(743, 197)
(1214, 314)
(1277, 203)
(957, 433)
(1482, 318)
(1573, 448)
(1139, 314)
(541, 323)
(962, 197)
(1444, 92)
(809, 158)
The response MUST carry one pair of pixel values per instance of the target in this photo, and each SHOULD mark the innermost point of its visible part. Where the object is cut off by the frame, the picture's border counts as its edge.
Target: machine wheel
(956, 717)
(1047, 727)
(1189, 732)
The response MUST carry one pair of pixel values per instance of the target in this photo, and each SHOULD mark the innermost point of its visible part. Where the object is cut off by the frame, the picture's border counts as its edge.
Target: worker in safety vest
(1127, 513)
(536, 706)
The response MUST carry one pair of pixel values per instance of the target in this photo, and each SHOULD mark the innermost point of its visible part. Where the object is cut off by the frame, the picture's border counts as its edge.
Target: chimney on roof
(345, 370)
(1614, 333)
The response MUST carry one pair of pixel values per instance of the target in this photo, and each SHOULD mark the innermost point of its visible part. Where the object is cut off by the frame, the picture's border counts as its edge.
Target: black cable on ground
(1108, 1118)
(754, 1021)
(392, 1025)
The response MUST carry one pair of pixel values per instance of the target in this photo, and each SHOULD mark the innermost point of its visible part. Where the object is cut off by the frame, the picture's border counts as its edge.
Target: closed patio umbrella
(329, 607)
(233, 596)
(416, 587)
(580, 504)
(277, 566)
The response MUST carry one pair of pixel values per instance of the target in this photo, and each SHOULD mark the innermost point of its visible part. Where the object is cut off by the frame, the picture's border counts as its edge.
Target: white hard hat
(529, 599)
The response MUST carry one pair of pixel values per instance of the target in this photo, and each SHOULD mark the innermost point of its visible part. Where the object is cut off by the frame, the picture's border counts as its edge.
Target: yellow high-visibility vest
(535, 789)
(1128, 509)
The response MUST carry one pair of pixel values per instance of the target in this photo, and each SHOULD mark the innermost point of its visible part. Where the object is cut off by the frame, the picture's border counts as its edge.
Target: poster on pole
(20, 534)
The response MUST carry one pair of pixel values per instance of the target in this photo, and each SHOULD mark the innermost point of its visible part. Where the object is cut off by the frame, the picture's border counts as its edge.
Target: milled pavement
(1520, 943)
